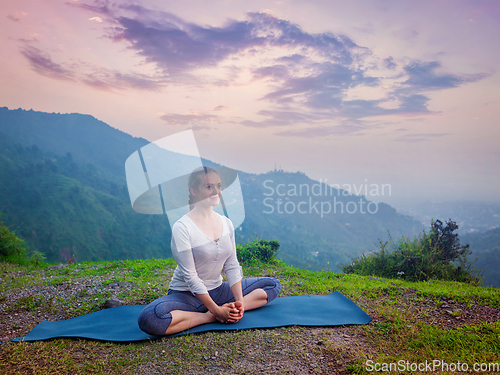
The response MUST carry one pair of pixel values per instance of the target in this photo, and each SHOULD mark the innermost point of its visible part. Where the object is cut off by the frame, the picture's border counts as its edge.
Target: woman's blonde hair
(195, 182)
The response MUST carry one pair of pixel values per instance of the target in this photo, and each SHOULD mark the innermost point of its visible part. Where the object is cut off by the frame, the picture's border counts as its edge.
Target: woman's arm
(237, 292)
(238, 297)
(234, 272)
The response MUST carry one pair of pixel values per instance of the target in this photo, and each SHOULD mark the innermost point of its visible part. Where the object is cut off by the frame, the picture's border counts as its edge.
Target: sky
(352, 93)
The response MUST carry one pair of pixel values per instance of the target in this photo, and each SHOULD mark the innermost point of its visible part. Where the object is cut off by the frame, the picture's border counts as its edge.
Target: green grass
(404, 325)
(418, 343)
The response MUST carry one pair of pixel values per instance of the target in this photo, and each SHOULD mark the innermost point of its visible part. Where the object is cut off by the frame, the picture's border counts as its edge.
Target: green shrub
(13, 248)
(433, 255)
(259, 250)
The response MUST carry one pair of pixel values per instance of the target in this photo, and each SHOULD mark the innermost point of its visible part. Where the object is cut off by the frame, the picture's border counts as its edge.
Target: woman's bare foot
(182, 320)
(210, 317)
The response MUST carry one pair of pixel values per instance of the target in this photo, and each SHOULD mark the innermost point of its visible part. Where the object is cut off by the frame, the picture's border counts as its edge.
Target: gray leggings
(155, 318)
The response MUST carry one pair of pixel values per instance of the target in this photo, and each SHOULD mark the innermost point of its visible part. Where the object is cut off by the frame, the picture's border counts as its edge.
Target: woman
(202, 244)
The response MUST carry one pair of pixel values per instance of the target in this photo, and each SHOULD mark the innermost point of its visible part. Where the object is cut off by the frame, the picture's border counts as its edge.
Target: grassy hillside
(414, 322)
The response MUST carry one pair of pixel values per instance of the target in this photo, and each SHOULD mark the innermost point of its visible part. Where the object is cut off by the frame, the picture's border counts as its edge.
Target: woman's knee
(272, 288)
(150, 323)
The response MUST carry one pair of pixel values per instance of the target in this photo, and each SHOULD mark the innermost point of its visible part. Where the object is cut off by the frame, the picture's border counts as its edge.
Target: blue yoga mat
(120, 323)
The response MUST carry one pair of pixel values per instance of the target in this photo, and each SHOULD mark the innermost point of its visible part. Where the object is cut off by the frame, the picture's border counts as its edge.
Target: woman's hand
(226, 313)
(236, 312)
(238, 305)
(230, 312)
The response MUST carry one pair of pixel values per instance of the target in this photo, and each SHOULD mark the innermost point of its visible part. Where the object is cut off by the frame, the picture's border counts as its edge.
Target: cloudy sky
(393, 92)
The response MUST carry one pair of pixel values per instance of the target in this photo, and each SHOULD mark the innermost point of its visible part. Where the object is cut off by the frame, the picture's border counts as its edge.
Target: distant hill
(63, 189)
(472, 216)
(86, 138)
(486, 248)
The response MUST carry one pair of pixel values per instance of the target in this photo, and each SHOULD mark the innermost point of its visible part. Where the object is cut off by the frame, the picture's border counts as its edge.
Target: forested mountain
(64, 208)
(63, 189)
(86, 138)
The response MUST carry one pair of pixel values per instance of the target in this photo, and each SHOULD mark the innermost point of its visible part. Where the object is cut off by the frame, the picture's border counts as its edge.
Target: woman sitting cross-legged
(203, 243)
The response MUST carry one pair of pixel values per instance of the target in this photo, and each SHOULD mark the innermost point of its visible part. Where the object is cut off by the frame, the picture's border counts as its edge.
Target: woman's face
(209, 190)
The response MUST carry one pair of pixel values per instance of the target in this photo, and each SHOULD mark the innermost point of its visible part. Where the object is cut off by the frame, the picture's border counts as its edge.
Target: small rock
(125, 283)
(444, 306)
(110, 303)
(120, 284)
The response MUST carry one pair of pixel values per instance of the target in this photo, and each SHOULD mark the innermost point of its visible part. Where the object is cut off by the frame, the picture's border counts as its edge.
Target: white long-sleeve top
(200, 259)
